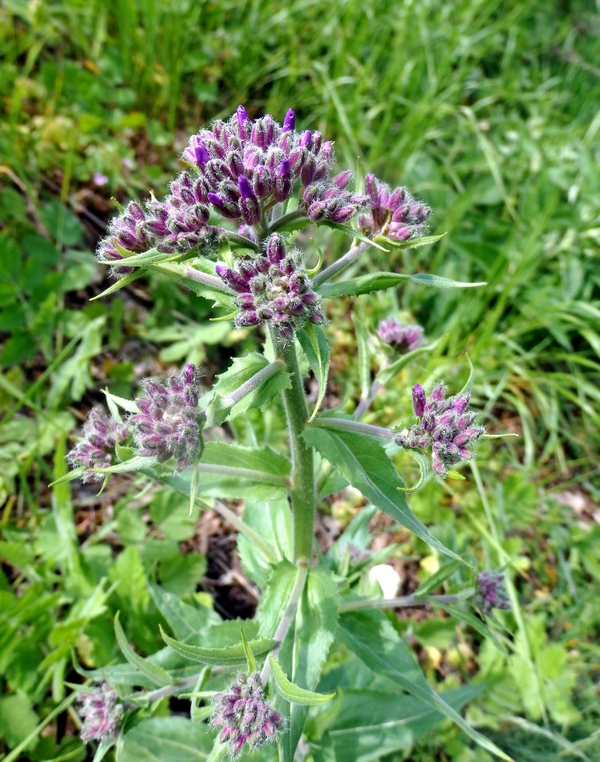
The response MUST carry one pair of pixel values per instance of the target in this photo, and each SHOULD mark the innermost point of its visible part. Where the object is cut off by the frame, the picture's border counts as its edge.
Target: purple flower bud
(101, 713)
(101, 435)
(262, 182)
(245, 188)
(201, 153)
(289, 121)
(242, 116)
(306, 139)
(418, 396)
(491, 593)
(460, 403)
(275, 249)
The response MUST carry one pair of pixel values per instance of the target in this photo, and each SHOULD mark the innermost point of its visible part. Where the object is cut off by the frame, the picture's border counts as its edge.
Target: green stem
(302, 478)
(253, 383)
(342, 424)
(286, 219)
(403, 602)
(242, 527)
(341, 264)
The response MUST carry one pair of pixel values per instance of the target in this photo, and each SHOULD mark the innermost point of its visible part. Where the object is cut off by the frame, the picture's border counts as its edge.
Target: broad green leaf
(370, 635)
(183, 619)
(152, 671)
(363, 462)
(275, 598)
(372, 724)
(166, 739)
(272, 520)
(316, 348)
(363, 284)
(241, 371)
(437, 281)
(387, 373)
(293, 693)
(227, 656)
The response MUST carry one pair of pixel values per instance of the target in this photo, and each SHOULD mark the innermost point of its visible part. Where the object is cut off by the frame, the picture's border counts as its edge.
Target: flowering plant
(228, 230)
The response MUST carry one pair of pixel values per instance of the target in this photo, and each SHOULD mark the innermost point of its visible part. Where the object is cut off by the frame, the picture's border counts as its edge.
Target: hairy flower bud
(403, 338)
(448, 434)
(491, 593)
(95, 450)
(101, 713)
(169, 424)
(243, 715)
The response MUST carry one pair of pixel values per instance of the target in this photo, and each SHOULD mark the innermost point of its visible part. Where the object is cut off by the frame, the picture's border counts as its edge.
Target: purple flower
(128, 231)
(404, 338)
(169, 423)
(96, 448)
(393, 213)
(101, 713)
(331, 201)
(446, 428)
(244, 716)
(274, 288)
(491, 593)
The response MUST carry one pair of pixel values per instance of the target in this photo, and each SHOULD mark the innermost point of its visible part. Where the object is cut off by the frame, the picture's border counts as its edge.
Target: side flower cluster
(97, 445)
(331, 201)
(491, 593)
(244, 716)
(169, 422)
(403, 338)
(273, 288)
(392, 213)
(445, 427)
(101, 713)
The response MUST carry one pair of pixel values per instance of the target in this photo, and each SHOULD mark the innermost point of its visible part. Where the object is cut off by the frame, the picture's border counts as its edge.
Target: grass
(486, 110)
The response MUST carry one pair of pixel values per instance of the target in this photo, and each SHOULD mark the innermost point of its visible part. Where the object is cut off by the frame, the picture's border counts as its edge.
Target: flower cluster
(169, 422)
(491, 593)
(244, 716)
(446, 427)
(241, 169)
(403, 338)
(95, 450)
(392, 213)
(331, 201)
(273, 288)
(101, 713)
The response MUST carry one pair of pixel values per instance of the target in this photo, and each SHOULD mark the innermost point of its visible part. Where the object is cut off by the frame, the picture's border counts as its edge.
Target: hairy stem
(354, 427)
(341, 264)
(207, 280)
(302, 488)
(402, 602)
(252, 383)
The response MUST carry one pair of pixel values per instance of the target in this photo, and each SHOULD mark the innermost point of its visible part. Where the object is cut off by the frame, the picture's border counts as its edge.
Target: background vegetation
(488, 111)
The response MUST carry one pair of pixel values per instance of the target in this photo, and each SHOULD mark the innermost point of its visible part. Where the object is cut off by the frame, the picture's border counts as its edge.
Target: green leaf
(436, 579)
(119, 284)
(241, 370)
(227, 656)
(152, 671)
(137, 463)
(293, 693)
(412, 243)
(143, 259)
(363, 284)
(275, 598)
(316, 348)
(387, 373)
(373, 724)
(250, 660)
(370, 635)
(114, 403)
(165, 739)
(183, 619)
(363, 462)
(437, 281)
(464, 615)
(272, 520)
(364, 357)
(178, 271)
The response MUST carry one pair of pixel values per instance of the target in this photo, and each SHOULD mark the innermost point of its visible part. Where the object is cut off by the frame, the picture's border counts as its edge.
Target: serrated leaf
(437, 281)
(227, 656)
(157, 674)
(363, 284)
(370, 635)
(316, 348)
(293, 693)
(363, 462)
(183, 619)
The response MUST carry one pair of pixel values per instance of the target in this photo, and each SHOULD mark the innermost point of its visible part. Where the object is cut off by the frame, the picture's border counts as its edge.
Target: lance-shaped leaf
(370, 635)
(352, 233)
(137, 463)
(316, 348)
(119, 284)
(364, 284)
(387, 373)
(293, 693)
(361, 460)
(152, 671)
(437, 281)
(412, 243)
(221, 657)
